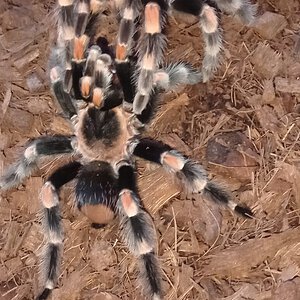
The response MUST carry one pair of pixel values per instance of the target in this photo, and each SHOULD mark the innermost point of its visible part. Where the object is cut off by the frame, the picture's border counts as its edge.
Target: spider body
(101, 140)
(90, 85)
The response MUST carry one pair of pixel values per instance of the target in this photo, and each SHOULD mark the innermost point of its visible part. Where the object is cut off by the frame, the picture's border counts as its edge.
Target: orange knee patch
(79, 47)
(86, 83)
(48, 195)
(129, 205)
(152, 18)
(173, 161)
(121, 52)
(97, 97)
(211, 19)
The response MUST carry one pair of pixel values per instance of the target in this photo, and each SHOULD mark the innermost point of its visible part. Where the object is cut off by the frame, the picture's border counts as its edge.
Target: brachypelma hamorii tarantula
(90, 86)
(151, 41)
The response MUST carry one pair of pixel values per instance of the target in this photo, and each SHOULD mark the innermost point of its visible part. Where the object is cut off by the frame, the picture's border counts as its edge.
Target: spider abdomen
(96, 191)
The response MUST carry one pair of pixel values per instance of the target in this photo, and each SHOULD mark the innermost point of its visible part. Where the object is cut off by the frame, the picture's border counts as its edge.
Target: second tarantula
(107, 138)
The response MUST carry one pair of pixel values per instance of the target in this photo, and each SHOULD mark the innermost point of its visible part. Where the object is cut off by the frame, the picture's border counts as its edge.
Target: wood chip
(297, 46)
(26, 58)
(232, 154)
(287, 85)
(156, 189)
(268, 96)
(289, 290)
(266, 61)
(60, 125)
(18, 120)
(240, 259)
(105, 296)
(6, 100)
(270, 24)
(173, 140)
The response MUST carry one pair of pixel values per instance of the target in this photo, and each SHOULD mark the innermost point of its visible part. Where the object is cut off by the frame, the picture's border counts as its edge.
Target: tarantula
(152, 14)
(90, 87)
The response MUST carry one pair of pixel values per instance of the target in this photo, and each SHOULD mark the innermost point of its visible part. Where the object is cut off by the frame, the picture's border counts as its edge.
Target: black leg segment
(52, 225)
(65, 174)
(44, 146)
(189, 173)
(52, 145)
(138, 230)
(151, 150)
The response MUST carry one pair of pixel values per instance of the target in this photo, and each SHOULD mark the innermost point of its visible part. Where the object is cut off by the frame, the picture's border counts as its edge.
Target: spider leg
(244, 9)
(52, 225)
(129, 11)
(65, 36)
(96, 83)
(44, 146)
(211, 31)
(138, 231)
(150, 47)
(78, 22)
(125, 72)
(165, 79)
(190, 173)
(209, 24)
(64, 99)
(148, 113)
(113, 99)
(86, 81)
(175, 74)
(61, 54)
(62, 71)
(78, 48)
(102, 79)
